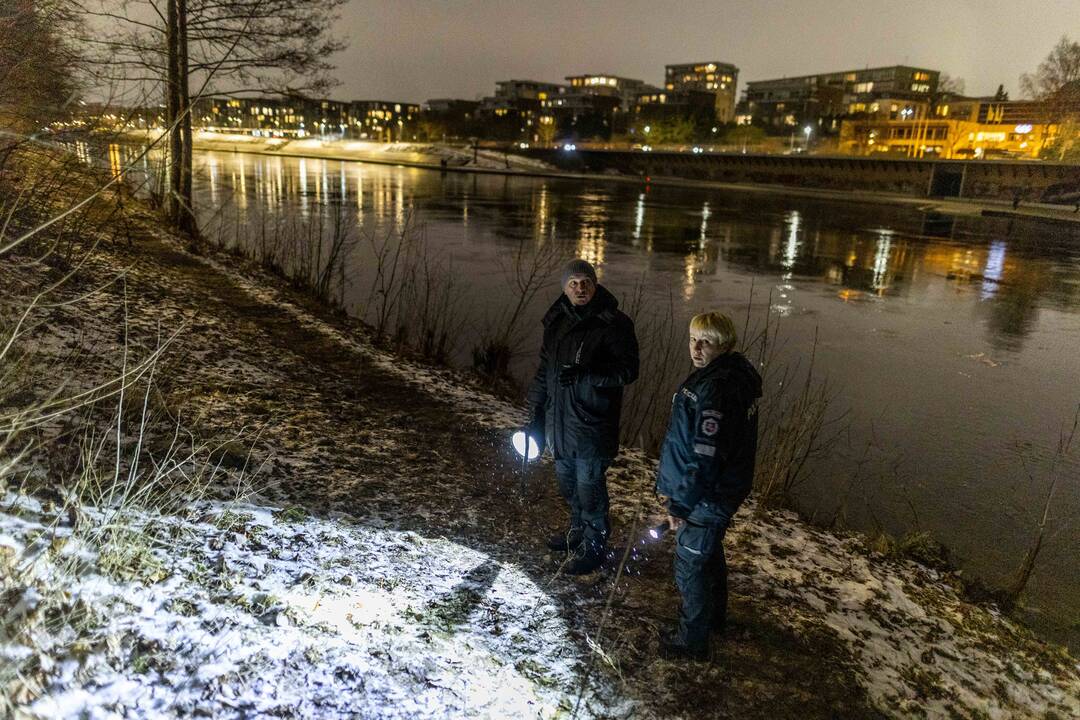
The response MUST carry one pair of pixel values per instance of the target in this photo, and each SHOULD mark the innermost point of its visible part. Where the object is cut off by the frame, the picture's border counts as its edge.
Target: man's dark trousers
(583, 486)
(701, 575)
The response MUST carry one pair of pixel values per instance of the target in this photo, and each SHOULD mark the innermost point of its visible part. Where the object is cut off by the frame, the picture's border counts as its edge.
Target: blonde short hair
(718, 327)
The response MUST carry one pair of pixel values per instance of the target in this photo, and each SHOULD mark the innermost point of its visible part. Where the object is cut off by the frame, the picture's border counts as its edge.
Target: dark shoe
(582, 566)
(672, 647)
(565, 541)
(584, 563)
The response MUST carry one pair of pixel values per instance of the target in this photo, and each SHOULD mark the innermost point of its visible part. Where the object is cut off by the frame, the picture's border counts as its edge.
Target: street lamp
(808, 129)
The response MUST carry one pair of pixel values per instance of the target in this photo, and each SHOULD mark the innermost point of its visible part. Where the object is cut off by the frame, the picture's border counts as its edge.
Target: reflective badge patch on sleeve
(703, 449)
(710, 426)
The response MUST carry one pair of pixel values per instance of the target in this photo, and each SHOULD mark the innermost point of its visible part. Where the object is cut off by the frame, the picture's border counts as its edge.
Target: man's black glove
(571, 375)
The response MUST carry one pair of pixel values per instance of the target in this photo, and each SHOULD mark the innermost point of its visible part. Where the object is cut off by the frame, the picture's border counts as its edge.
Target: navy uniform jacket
(582, 420)
(708, 452)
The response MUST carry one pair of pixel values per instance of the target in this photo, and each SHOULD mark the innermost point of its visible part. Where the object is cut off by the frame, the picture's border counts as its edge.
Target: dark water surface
(954, 343)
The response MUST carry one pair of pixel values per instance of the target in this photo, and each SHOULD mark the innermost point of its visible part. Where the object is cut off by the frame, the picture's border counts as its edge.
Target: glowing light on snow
(519, 445)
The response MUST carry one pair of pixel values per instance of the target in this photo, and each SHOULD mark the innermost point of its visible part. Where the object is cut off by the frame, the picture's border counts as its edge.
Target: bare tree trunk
(186, 220)
(172, 110)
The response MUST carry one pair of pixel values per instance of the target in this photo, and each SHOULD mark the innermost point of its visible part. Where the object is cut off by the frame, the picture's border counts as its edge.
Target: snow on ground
(361, 150)
(921, 650)
(470, 401)
(259, 612)
(247, 613)
(919, 647)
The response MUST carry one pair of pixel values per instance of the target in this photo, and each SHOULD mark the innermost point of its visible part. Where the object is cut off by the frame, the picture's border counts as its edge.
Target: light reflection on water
(953, 341)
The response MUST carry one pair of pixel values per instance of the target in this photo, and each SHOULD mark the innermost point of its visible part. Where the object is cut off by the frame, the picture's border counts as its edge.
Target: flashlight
(520, 440)
(655, 533)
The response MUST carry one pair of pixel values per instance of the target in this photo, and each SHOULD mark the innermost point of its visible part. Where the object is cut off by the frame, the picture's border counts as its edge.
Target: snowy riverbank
(379, 563)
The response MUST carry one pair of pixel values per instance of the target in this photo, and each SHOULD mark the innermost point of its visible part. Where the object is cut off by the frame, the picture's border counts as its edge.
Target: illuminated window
(920, 87)
(922, 76)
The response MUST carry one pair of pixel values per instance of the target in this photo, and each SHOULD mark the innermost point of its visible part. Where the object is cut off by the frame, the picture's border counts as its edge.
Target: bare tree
(38, 81)
(949, 85)
(528, 270)
(1060, 71)
(225, 46)
(1056, 83)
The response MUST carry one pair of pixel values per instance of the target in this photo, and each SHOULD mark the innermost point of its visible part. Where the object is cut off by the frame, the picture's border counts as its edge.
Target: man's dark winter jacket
(708, 452)
(582, 420)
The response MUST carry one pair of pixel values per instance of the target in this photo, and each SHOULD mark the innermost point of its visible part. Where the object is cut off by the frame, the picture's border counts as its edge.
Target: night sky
(413, 50)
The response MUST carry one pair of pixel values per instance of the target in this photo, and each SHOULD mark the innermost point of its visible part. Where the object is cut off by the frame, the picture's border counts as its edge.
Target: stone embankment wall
(1028, 181)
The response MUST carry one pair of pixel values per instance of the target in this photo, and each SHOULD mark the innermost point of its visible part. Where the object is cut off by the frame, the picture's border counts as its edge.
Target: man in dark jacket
(706, 471)
(588, 354)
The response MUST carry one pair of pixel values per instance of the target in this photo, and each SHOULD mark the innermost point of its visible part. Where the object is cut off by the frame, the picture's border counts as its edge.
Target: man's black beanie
(578, 267)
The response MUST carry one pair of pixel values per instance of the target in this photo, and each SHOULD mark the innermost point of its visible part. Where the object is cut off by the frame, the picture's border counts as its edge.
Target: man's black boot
(565, 541)
(673, 647)
(587, 559)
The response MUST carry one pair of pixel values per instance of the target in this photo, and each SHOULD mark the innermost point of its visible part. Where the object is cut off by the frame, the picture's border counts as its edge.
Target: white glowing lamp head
(520, 439)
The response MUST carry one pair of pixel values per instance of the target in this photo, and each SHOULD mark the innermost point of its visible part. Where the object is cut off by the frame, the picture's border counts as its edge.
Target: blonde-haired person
(706, 470)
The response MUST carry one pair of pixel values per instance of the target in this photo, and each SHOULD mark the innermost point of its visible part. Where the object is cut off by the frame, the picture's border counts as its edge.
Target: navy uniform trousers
(701, 574)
